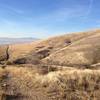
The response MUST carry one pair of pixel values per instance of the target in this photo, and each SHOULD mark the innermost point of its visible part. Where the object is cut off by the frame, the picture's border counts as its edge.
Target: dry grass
(57, 69)
(56, 48)
(72, 85)
(86, 50)
(3, 55)
(69, 84)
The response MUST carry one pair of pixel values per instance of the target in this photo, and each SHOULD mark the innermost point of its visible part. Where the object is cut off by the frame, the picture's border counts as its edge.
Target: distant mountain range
(15, 40)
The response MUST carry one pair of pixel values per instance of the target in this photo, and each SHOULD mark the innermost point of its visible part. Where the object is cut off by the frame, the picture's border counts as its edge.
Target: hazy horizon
(9, 40)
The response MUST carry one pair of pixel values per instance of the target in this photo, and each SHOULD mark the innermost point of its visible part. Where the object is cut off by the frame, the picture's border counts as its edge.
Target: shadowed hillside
(59, 68)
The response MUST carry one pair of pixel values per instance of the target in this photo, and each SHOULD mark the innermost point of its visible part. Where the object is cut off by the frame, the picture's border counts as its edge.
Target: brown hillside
(46, 49)
(82, 52)
(59, 68)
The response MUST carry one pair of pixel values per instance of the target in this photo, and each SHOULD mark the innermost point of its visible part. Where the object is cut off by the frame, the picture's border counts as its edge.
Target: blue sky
(45, 18)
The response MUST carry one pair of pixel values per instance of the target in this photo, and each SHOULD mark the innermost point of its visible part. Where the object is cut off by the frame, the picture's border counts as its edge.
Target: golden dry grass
(3, 55)
(77, 44)
(52, 69)
(82, 52)
(69, 84)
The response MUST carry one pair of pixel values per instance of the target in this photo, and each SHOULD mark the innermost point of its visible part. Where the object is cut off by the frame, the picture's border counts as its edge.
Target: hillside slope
(66, 67)
(61, 50)
(81, 52)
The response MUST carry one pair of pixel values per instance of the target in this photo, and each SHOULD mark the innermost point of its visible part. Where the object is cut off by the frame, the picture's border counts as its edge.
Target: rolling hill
(64, 67)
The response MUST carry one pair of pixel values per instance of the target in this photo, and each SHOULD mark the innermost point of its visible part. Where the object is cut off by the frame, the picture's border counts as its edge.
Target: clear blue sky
(44, 18)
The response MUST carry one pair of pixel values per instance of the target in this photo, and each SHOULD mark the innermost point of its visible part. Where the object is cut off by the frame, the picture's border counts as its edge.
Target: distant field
(15, 40)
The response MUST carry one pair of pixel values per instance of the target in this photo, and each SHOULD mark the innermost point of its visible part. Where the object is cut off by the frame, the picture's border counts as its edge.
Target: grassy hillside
(59, 68)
